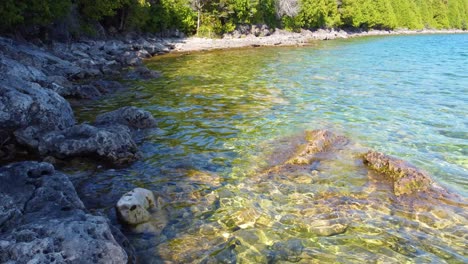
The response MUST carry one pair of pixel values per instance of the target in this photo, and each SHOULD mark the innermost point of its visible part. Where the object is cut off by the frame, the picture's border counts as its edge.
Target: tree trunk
(122, 20)
(198, 21)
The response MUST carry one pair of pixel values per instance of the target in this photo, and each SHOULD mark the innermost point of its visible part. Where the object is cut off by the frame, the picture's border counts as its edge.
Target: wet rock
(317, 141)
(112, 143)
(327, 227)
(243, 218)
(42, 220)
(110, 67)
(129, 116)
(204, 178)
(406, 178)
(105, 86)
(154, 48)
(286, 251)
(142, 73)
(58, 84)
(134, 207)
(143, 54)
(85, 91)
(130, 59)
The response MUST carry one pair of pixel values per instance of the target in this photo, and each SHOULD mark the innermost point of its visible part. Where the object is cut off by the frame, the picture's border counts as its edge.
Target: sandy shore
(285, 38)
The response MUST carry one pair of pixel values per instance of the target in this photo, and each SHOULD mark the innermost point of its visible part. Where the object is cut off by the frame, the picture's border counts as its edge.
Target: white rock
(134, 207)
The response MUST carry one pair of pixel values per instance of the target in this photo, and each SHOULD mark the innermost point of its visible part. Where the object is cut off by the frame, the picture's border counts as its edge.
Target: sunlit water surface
(222, 115)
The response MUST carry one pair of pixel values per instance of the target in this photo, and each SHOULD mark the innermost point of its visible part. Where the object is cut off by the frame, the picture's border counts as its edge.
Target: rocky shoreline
(261, 36)
(42, 219)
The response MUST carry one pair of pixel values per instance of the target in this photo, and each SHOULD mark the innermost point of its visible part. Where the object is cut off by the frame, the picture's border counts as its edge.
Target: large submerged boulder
(42, 220)
(142, 73)
(130, 116)
(406, 178)
(316, 141)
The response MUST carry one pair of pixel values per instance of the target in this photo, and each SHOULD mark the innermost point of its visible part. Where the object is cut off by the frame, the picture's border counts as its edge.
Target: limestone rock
(129, 116)
(84, 91)
(105, 86)
(42, 220)
(28, 110)
(24, 72)
(406, 178)
(134, 207)
(113, 143)
(317, 141)
(142, 73)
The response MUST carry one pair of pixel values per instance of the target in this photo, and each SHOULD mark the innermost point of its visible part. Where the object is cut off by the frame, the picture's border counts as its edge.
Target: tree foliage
(220, 16)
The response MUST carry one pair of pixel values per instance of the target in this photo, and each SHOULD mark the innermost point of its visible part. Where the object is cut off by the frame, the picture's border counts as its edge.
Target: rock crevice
(42, 220)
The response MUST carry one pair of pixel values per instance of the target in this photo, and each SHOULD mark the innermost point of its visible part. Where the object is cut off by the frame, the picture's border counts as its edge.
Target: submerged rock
(42, 220)
(114, 143)
(317, 141)
(105, 86)
(142, 73)
(129, 116)
(406, 178)
(84, 91)
(134, 207)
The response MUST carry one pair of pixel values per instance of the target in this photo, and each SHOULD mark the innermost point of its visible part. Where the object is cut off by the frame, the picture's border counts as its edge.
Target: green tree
(454, 15)
(425, 10)
(384, 16)
(266, 13)
(31, 13)
(11, 12)
(407, 14)
(352, 14)
(440, 14)
(98, 9)
(319, 13)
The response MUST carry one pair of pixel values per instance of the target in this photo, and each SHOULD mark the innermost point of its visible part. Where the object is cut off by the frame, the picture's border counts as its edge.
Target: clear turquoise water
(224, 113)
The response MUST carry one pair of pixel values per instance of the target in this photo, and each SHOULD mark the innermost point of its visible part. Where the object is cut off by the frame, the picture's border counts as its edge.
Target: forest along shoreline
(41, 213)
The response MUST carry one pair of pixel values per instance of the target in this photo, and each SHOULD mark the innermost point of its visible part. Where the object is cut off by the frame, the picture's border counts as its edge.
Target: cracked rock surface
(42, 220)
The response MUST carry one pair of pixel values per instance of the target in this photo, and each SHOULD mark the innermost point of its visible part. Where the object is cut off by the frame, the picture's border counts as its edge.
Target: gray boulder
(130, 58)
(84, 91)
(130, 116)
(42, 220)
(58, 84)
(115, 47)
(105, 86)
(113, 143)
(20, 71)
(26, 107)
(142, 72)
(35, 60)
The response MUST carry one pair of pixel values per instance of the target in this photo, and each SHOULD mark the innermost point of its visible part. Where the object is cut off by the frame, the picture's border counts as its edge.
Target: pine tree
(440, 14)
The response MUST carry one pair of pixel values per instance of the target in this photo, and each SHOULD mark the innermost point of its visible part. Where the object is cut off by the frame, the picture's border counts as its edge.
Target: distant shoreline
(285, 38)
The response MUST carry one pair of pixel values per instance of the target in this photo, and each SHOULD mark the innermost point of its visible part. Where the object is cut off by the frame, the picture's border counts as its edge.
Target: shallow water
(224, 116)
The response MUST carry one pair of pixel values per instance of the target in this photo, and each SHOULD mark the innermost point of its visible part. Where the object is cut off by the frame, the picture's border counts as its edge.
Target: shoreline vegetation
(72, 19)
